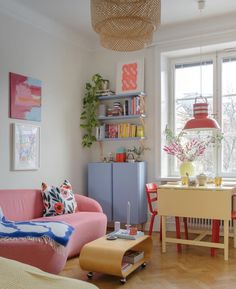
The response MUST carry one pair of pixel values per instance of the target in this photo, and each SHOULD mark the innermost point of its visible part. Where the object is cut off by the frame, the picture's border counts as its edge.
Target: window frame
(217, 60)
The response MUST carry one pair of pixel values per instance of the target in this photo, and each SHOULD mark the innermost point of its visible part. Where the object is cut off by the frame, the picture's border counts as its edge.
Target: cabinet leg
(123, 280)
(90, 275)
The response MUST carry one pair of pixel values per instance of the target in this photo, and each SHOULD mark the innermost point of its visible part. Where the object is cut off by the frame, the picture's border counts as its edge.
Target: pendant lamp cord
(201, 5)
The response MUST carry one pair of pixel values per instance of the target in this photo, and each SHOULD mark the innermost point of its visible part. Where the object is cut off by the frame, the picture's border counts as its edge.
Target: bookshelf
(121, 117)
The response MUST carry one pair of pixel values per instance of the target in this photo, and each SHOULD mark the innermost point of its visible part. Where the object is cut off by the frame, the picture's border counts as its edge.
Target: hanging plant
(89, 113)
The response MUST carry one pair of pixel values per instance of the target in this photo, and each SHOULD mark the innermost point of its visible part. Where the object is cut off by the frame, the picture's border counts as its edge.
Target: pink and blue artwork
(25, 97)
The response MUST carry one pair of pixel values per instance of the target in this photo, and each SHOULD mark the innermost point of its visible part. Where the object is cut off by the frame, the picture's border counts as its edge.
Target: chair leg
(151, 224)
(177, 225)
(234, 225)
(185, 227)
(215, 235)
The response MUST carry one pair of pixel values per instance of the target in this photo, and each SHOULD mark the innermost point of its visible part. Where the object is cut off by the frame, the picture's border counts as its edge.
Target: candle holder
(127, 226)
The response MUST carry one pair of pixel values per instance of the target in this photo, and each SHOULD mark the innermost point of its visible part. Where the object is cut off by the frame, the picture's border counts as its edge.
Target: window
(218, 87)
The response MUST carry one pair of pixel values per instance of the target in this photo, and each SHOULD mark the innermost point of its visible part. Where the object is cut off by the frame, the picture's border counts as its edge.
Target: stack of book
(133, 257)
(125, 266)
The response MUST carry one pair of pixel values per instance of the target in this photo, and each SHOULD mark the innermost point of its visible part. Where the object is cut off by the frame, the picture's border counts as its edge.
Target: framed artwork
(25, 97)
(130, 76)
(26, 146)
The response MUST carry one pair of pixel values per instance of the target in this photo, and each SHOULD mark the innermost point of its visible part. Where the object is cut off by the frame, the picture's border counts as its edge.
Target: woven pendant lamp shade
(125, 25)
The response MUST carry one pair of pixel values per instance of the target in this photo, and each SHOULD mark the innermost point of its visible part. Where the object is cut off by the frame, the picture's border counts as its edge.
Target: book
(133, 257)
(125, 266)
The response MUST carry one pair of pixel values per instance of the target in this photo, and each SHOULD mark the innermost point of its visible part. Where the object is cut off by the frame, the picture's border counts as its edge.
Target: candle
(128, 215)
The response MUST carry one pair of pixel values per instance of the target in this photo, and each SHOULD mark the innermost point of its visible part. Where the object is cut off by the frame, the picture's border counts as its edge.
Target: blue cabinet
(114, 184)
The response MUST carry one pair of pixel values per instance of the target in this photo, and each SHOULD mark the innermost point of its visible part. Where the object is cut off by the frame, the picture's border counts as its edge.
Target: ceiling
(75, 14)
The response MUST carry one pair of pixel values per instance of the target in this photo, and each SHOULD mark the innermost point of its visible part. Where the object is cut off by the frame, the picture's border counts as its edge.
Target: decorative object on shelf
(130, 157)
(25, 97)
(26, 148)
(201, 121)
(138, 152)
(89, 113)
(130, 76)
(125, 25)
(188, 150)
(121, 155)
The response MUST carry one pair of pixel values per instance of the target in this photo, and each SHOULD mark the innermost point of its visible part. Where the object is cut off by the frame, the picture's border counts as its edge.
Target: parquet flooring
(194, 268)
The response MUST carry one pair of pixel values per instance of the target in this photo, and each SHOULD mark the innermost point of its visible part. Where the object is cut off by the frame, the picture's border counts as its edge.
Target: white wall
(173, 38)
(62, 68)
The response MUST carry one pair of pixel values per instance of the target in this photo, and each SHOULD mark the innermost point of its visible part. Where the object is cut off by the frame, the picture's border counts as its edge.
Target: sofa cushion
(58, 200)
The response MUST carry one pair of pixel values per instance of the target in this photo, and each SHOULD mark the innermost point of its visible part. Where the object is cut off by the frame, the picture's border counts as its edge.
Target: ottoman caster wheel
(123, 280)
(90, 275)
(144, 265)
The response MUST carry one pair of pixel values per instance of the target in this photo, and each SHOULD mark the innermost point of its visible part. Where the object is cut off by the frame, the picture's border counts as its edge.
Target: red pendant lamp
(201, 121)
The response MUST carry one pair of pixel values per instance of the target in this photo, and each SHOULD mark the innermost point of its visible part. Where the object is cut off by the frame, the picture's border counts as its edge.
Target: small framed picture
(130, 76)
(26, 146)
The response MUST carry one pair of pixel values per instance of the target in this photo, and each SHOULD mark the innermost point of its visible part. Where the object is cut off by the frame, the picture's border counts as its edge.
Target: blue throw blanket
(57, 232)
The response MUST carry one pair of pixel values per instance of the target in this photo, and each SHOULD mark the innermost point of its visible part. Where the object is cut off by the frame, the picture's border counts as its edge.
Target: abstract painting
(130, 77)
(25, 97)
(26, 147)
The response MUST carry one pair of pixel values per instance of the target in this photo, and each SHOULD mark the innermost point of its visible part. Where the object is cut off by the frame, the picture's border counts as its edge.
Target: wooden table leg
(163, 234)
(226, 240)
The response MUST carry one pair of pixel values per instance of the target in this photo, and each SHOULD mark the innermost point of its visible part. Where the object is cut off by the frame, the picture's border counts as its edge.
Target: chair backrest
(151, 192)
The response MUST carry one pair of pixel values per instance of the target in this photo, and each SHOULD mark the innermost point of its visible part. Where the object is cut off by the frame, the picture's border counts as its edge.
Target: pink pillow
(58, 200)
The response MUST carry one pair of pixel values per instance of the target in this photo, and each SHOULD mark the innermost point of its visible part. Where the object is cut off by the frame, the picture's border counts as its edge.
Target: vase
(187, 167)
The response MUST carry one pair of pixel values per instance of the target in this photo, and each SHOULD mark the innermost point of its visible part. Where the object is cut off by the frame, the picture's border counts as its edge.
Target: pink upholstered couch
(21, 205)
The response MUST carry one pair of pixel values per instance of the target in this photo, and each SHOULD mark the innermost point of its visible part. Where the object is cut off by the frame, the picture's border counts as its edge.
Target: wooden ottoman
(106, 256)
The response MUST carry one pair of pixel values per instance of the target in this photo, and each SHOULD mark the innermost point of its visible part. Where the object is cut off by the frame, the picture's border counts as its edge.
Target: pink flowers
(188, 151)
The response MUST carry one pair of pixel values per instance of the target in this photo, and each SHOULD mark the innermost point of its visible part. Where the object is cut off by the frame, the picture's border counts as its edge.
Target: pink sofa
(21, 205)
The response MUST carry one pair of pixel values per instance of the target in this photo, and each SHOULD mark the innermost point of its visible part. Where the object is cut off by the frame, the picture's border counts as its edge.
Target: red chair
(152, 196)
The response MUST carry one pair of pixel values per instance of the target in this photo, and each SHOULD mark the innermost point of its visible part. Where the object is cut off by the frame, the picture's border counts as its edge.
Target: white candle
(128, 215)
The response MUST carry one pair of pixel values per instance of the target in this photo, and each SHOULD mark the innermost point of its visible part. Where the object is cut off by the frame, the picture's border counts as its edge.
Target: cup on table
(184, 180)
(218, 181)
(117, 226)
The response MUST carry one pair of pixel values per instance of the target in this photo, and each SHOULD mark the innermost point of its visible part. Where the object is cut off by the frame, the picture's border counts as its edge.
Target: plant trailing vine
(88, 116)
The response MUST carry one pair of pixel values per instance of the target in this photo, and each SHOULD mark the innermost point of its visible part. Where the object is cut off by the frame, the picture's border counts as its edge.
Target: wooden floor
(194, 268)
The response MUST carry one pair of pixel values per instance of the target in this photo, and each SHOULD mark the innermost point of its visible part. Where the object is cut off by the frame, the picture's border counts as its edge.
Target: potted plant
(138, 151)
(89, 113)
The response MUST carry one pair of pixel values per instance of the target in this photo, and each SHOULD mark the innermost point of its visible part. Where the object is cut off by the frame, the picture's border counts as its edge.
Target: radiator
(205, 224)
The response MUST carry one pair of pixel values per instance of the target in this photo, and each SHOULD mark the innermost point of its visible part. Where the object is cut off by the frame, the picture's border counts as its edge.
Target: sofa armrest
(86, 204)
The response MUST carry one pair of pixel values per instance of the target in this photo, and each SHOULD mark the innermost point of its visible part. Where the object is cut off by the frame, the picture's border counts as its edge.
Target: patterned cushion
(58, 200)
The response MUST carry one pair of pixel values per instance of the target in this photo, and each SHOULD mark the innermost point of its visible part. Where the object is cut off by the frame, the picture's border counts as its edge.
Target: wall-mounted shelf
(122, 139)
(118, 96)
(120, 117)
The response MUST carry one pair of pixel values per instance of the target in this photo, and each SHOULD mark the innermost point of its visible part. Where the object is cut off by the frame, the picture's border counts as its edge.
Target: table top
(123, 244)
(207, 187)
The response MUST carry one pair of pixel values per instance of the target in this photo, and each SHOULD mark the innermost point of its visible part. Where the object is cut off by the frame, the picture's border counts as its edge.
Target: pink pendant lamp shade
(201, 120)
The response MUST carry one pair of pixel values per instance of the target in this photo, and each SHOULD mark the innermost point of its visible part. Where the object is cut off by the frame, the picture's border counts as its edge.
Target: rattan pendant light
(125, 25)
